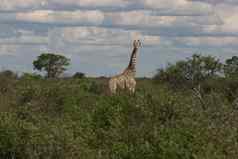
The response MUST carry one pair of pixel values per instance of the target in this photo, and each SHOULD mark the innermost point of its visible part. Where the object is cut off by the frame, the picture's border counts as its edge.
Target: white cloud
(218, 1)
(25, 38)
(62, 17)
(90, 35)
(229, 16)
(145, 20)
(208, 41)
(179, 6)
(140, 19)
(164, 6)
(7, 5)
(8, 49)
(100, 36)
(151, 40)
(94, 3)
(10, 5)
(164, 3)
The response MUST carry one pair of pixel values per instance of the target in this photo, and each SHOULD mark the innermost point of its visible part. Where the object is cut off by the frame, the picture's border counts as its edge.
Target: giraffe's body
(122, 81)
(126, 80)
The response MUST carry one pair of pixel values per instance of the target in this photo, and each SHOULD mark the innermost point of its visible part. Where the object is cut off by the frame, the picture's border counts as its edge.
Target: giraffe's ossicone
(126, 80)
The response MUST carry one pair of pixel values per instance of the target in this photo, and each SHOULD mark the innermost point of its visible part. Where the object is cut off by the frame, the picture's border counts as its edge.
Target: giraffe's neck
(132, 63)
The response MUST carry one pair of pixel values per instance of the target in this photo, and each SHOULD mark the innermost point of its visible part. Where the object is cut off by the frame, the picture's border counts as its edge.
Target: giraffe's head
(137, 44)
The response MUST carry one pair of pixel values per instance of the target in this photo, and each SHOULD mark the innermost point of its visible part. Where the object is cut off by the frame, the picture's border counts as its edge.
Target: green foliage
(231, 67)
(75, 118)
(226, 86)
(79, 75)
(31, 76)
(8, 74)
(174, 75)
(58, 119)
(190, 72)
(53, 64)
(8, 81)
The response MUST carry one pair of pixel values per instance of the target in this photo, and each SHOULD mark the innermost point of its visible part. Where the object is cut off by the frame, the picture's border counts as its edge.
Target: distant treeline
(190, 71)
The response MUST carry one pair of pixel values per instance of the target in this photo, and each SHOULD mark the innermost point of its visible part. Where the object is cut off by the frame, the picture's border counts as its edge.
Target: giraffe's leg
(133, 90)
(132, 86)
(112, 86)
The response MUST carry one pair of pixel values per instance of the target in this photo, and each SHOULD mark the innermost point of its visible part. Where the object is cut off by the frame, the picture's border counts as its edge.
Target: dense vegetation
(189, 110)
(54, 65)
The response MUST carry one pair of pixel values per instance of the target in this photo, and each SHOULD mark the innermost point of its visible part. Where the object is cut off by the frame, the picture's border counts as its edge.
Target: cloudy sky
(97, 34)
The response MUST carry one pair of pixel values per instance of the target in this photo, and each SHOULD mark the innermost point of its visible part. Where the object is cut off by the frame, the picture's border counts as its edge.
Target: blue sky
(97, 34)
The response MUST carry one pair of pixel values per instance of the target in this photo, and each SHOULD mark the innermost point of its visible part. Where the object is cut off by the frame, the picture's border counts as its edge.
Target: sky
(97, 35)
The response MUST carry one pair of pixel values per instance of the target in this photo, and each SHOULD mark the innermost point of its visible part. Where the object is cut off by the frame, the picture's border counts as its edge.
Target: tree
(190, 72)
(231, 67)
(8, 74)
(172, 74)
(202, 67)
(52, 64)
(79, 75)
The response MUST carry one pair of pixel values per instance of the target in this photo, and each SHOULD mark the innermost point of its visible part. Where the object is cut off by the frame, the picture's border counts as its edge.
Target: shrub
(30, 76)
(190, 72)
(79, 75)
(72, 118)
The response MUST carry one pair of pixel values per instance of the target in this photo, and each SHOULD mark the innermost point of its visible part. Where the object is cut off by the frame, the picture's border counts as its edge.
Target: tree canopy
(52, 64)
(231, 67)
(191, 71)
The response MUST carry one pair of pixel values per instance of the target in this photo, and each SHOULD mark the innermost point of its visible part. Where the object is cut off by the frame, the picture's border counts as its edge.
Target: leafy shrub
(30, 76)
(8, 74)
(7, 81)
(72, 118)
(231, 67)
(79, 75)
(190, 72)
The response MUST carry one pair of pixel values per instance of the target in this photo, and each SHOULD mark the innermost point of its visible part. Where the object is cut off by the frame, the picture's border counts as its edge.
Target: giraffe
(126, 79)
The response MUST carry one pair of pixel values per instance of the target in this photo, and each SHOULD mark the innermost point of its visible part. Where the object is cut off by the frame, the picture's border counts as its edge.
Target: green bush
(74, 118)
(190, 72)
(29, 76)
